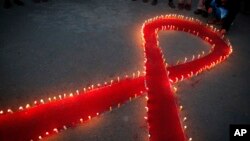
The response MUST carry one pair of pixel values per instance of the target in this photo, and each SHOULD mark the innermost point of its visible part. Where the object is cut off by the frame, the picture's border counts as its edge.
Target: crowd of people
(223, 12)
(220, 12)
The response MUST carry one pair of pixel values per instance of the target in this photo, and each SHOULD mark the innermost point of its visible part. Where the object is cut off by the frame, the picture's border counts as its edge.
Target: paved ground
(60, 46)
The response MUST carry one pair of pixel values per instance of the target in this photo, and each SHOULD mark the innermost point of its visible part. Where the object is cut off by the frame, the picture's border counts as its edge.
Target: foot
(18, 2)
(198, 11)
(171, 5)
(188, 7)
(180, 6)
(145, 1)
(45, 0)
(154, 2)
(7, 4)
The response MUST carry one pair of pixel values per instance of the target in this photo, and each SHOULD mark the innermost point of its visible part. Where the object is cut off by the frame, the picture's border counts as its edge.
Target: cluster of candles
(49, 116)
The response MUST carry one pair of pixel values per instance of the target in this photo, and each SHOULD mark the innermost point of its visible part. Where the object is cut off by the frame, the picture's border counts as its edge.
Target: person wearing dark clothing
(233, 10)
(7, 3)
(218, 8)
(225, 12)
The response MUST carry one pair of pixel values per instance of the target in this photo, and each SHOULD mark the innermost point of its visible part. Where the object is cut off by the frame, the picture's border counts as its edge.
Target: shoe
(198, 11)
(171, 5)
(180, 6)
(7, 4)
(188, 7)
(45, 0)
(154, 2)
(18, 2)
(145, 1)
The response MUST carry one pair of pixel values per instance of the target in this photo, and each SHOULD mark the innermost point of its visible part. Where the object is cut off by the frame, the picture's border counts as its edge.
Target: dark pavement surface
(57, 47)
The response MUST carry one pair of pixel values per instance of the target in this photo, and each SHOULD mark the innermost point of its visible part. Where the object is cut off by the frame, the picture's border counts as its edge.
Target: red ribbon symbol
(43, 118)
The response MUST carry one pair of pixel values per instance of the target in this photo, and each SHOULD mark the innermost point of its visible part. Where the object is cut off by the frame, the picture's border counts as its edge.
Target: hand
(210, 10)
